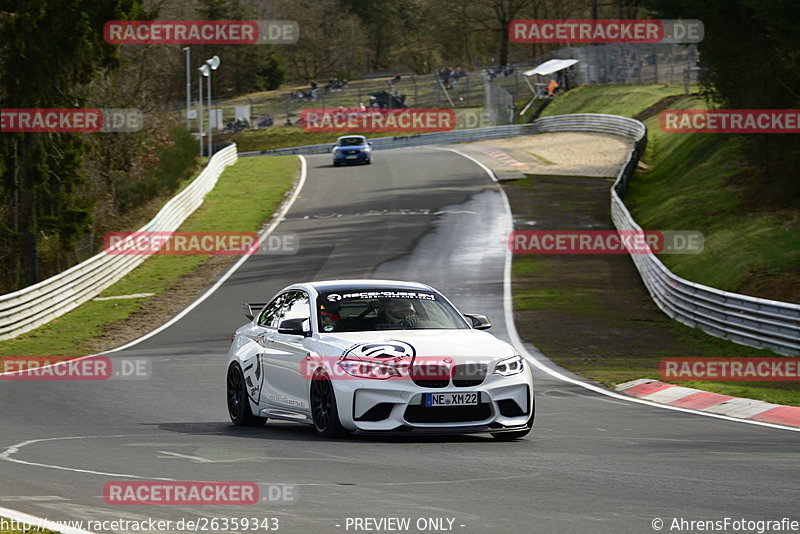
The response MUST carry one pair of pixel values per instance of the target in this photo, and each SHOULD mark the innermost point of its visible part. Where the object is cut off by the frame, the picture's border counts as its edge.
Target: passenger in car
(329, 314)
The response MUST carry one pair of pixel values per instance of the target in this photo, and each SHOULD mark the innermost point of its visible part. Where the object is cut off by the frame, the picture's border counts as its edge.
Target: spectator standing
(444, 76)
(457, 74)
(551, 87)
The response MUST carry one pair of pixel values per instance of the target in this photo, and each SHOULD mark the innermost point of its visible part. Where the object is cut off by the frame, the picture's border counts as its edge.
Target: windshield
(352, 141)
(382, 309)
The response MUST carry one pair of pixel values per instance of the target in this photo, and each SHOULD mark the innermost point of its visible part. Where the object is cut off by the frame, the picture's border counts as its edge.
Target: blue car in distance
(352, 149)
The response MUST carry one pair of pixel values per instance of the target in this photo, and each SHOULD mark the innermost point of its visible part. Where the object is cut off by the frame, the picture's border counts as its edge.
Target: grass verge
(625, 100)
(244, 198)
(615, 331)
(702, 182)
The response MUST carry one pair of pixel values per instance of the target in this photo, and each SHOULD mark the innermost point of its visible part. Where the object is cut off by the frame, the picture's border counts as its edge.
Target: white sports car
(375, 356)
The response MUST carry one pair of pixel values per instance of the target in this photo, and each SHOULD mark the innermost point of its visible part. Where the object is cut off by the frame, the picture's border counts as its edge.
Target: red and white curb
(705, 401)
(505, 158)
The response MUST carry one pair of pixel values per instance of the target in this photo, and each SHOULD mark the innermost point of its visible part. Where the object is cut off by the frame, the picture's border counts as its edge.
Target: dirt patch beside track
(559, 153)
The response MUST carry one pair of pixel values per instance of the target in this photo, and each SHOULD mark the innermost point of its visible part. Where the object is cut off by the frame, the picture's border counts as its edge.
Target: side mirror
(369, 143)
(295, 327)
(479, 322)
(251, 309)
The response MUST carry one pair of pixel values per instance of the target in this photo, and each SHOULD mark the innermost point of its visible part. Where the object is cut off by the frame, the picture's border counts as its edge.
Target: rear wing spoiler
(251, 309)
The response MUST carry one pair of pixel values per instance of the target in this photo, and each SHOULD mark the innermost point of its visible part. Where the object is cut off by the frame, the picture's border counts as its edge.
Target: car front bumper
(360, 157)
(396, 406)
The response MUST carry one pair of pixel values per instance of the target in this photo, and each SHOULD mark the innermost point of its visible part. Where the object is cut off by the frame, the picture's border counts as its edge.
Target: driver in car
(399, 312)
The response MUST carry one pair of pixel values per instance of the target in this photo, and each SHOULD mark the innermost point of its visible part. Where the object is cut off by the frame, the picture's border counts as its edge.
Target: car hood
(463, 345)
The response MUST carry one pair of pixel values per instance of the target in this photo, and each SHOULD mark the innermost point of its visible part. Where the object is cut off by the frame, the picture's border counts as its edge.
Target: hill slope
(702, 182)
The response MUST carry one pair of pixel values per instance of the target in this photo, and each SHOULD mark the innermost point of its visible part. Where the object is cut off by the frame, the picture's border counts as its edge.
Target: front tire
(324, 412)
(238, 401)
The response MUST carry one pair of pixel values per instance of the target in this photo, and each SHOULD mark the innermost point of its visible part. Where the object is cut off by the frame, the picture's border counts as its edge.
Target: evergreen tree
(50, 50)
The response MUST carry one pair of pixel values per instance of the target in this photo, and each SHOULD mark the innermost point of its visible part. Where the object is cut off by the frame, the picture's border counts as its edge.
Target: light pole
(188, 90)
(210, 64)
(203, 72)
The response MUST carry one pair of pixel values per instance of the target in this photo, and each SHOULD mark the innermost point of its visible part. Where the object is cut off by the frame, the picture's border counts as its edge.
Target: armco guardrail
(752, 321)
(612, 125)
(40, 303)
(743, 319)
(435, 138)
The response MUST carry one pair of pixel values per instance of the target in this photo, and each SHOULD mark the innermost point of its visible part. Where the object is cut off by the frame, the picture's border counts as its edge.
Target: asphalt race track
(593, 464)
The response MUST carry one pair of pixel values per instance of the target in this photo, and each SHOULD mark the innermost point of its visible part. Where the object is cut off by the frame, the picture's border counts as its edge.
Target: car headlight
(509, 366)
(369, 369)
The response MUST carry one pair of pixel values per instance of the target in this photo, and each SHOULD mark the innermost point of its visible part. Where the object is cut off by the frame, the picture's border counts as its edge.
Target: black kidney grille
(430, 376)
(469, 374)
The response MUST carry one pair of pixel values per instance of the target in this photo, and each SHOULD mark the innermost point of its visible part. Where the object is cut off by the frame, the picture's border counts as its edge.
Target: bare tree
(331, 39)
(494, 16)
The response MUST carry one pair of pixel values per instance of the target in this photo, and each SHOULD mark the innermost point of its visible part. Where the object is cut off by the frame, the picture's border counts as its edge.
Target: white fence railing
(42, 302)
(752, 321)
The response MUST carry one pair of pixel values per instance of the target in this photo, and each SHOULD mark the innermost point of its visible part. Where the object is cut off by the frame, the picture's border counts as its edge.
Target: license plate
(351, 157)
(450, 399)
